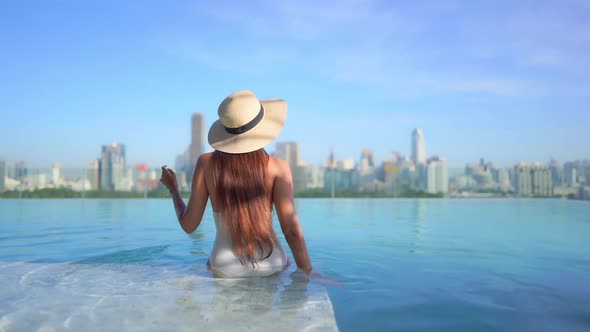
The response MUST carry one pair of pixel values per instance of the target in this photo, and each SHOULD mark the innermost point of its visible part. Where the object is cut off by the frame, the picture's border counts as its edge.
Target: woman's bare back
(279, 183)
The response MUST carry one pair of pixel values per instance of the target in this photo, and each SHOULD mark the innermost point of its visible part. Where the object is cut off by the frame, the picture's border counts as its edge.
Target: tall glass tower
(418, 147)
(197, 138)
(112, 166)
(288, 151)
(2, 174)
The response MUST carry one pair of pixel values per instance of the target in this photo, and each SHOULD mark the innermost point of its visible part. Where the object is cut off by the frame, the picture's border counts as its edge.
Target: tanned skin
(279, 185)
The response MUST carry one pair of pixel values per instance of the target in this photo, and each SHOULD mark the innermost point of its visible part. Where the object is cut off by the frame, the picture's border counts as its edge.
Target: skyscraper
(523, 185)
(180, 163)
(501, 177)
(418, 147)
(570, 175)
(21, 170)
(533, 180)
(2, 174)
(56, 174)
(93, 177)
(542, 182)
(342, 177)
(556, 173)
(288, 151)
(366, 170)
(112, 166)
(197, 138)
(368, 156)
(331, 163)
(183, 163)
(437, 176)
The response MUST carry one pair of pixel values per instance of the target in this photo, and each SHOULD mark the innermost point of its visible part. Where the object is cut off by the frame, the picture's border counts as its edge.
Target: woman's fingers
(167, 171)
(168, 176)
(165, 174)
(326, 281)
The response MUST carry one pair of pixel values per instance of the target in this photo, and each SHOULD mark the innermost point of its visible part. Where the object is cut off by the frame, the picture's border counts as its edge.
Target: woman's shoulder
(277, 162)
(204, 161)
(278, 166)
(205, 157)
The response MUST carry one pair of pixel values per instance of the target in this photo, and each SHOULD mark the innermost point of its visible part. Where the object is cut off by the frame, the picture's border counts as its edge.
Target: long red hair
(241, 195)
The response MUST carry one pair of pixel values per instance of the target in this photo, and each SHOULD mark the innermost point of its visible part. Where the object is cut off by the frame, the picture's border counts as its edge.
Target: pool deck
(111, 297)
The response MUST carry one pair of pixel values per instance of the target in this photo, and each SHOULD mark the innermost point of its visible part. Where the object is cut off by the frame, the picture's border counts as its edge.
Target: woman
(244, 183)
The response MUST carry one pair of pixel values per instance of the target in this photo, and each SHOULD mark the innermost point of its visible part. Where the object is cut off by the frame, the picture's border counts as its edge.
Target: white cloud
(392, 48)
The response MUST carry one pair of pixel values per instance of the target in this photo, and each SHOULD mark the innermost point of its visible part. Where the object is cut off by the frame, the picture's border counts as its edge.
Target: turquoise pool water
(410, 265)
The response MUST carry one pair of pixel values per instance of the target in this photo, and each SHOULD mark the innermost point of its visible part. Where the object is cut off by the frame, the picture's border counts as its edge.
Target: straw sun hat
(247, 124)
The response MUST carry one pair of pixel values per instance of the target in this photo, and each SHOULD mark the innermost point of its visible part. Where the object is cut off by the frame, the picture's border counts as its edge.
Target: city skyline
(504, 81)
(400, 176)
(272, 148)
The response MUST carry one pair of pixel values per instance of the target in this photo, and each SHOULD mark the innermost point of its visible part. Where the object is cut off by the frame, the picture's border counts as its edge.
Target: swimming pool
(450, 265)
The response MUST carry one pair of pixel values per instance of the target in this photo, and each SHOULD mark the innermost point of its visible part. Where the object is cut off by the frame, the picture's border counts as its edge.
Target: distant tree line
(69, 193)
(310, 193)
(404, 192)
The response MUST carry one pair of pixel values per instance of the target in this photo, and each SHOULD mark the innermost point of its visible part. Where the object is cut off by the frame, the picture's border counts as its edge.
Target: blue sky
(503, 80)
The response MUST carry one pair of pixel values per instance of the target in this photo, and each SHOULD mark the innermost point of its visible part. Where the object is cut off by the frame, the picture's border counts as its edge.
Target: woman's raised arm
(189, 216)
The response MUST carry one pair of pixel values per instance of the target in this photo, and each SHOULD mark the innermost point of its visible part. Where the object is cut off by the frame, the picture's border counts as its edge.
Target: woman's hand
(324, 280)
(168, 179)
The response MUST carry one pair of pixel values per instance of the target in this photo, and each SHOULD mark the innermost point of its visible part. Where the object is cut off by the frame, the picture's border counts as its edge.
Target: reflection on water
(419, 224)
(369, 215)
(106, 209)
(419, 209)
